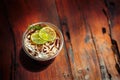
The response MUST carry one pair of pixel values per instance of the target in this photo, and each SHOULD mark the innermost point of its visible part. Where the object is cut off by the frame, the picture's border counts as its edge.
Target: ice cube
(54, 49)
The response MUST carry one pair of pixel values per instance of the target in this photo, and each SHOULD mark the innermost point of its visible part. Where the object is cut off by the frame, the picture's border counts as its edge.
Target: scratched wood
(21, 13)
(101, 31)
(91, 30)
(114, 11)
(96, 20)
(79, 43)
(100, 27)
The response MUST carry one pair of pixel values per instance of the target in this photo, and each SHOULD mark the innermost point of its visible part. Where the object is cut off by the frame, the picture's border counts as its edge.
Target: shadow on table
(33, 65)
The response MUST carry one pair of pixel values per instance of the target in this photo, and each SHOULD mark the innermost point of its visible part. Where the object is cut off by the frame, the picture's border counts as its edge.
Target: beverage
(42, 41)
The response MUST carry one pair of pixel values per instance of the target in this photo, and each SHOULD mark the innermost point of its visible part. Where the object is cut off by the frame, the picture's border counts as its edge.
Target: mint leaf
(35, 27)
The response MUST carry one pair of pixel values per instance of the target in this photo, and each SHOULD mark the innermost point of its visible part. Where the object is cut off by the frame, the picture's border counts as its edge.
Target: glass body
(58, 32)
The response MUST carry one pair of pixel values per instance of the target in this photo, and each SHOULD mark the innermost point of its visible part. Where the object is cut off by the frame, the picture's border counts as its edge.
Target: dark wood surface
(91, 30)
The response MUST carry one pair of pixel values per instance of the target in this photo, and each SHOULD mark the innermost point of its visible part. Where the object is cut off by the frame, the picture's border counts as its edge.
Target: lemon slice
(36, 38)
(47, 34)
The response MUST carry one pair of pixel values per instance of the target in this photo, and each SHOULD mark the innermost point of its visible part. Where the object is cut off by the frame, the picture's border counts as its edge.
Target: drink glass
(46, 51)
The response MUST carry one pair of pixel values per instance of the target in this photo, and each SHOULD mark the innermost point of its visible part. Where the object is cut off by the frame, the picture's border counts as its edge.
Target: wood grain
(91, 31)
(80, 46)
(93, 17)
(113, 16)
(20, 14)
(6, 52)
(100, 29)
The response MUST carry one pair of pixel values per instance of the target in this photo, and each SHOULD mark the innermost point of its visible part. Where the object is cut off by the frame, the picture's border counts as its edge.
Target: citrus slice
(47, 34)
(36, 38)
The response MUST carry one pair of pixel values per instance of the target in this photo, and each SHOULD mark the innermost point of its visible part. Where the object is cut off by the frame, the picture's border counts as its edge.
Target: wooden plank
(116, 22)
(113, 16)
(6, 53)
(78, 39)
(99, 25)
(21, 13)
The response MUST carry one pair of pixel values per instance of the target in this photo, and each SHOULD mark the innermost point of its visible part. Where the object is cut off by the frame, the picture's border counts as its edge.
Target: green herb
(35, 27)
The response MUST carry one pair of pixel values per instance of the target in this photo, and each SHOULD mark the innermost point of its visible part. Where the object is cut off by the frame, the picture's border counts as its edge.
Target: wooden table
(91, 30)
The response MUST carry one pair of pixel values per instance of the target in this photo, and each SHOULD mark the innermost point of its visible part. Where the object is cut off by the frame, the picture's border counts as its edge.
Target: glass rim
(49, 58)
